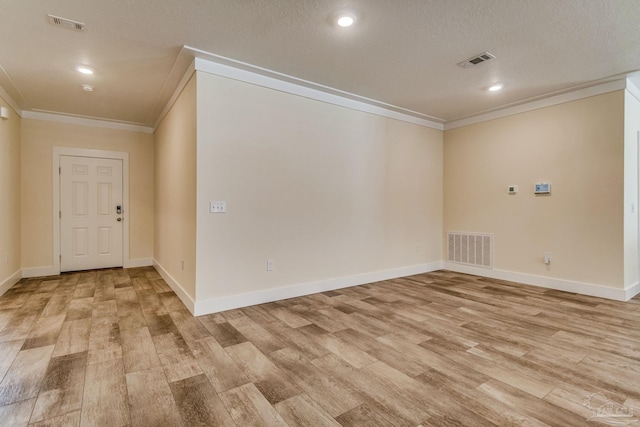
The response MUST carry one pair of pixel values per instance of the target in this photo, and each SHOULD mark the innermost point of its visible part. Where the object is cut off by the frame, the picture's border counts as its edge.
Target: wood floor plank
(219, 367)
(118, 347)
(105, 400)
(301, 411)
(151, 400)
(138, 351)
(176, 357)
(24, 377)
(62, 387)
(199, 404)
(73, 337)
(17, 414)
(248, 407)
(267, 377)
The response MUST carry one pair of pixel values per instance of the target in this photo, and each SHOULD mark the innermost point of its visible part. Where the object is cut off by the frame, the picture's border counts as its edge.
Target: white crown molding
(538, 104)
(176, 93)
(10, 281)
(84, 121)
(226, 67)
(9, 100)
(215, 305)
(633, 89)
(175, 285)
(618, 294)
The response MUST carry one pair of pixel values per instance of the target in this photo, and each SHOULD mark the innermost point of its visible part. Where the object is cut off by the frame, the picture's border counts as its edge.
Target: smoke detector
(66, 23)
(477, 59)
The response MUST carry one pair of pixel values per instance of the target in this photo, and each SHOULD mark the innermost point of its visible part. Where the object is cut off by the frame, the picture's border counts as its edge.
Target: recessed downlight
(87, 88)
(345, 21)
(496, 87)
(84, 70)
(345, 18)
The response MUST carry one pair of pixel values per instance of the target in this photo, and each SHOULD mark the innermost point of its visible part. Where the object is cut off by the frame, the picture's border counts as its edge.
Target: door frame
(86, 152)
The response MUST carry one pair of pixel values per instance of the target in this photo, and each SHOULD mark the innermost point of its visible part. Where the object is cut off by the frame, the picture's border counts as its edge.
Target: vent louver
(475, 60)
(66, 23)
(470, 248)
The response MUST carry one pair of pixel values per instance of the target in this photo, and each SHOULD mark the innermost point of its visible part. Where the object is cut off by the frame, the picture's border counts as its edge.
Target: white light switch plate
(217, 207)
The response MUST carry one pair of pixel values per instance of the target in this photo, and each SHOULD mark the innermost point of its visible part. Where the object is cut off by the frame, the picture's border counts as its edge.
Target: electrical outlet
(270, 265)
(418, 249)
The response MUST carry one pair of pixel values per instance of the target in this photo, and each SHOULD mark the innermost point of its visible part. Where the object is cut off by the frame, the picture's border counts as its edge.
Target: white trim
(9, 100)
(226, 67)
(633, 89)
(214, 305)
(524, 106)
(177, 288)
(607, 292)
(632, 291)
(176, 93)
(138, 262)
(85, 152)
(40, 271)
(10, 281)
(84, 121)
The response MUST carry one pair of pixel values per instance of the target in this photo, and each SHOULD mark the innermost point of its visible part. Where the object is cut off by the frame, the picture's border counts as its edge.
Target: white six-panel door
(90, 222)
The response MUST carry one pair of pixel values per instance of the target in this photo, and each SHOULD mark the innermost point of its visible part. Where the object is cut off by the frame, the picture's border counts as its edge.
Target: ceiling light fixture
(345, 19)
(87, 88)
(84, 70)
(495, 87)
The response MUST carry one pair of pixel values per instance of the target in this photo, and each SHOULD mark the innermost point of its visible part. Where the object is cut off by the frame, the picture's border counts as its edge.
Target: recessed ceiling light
(495, 87)
(84, 70)
(345, 20)
(87, 88)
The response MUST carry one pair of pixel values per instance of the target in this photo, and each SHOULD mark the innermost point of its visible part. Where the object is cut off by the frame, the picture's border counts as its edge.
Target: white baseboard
(177, 288)
(590, 289)
(40, 271)
(214, 305)
(10, 281)
(138, 262)
(632, 291)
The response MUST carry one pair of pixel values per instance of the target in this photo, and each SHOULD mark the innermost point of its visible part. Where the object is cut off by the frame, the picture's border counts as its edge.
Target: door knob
(119, 219)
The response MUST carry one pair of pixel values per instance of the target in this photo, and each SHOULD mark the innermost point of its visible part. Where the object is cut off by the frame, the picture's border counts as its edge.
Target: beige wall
(325, 191)
(631, 164)
(38, 139)
(10, 252)
(579, 148)
(175, 190)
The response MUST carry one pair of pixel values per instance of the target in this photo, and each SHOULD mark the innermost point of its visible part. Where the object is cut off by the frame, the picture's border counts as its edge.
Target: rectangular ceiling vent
(478, 59)
(470, 248)
(66, 23)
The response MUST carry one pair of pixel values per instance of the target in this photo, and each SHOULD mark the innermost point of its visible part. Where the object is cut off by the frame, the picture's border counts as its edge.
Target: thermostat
(542, 188)
(513, 189)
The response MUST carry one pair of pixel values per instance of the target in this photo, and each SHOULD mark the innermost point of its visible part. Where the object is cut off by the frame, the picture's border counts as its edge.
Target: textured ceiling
(401, 52)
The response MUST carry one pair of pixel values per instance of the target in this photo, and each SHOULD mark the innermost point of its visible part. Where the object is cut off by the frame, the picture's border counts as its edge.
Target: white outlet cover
(217, 207)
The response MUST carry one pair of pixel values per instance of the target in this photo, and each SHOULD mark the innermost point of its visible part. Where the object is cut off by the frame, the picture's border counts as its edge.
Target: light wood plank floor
(117, 348)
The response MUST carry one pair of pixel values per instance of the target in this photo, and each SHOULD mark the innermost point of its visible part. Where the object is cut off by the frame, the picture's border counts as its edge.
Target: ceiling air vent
(66, 23)
(475, 60)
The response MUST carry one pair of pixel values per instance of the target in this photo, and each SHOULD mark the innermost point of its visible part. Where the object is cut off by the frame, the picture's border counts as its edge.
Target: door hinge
(59, 214)
(60, 257)
(60, 170)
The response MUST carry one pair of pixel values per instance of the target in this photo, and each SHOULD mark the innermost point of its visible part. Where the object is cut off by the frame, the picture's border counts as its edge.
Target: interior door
(90, 213)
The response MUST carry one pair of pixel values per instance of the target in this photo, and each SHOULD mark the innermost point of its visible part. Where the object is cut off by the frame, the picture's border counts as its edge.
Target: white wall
(175, 195)
(631, 163)
(577, 146)
(10, 199)
(326, 191)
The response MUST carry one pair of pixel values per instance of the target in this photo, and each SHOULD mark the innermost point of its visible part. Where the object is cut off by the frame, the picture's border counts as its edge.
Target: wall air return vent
(478, 59)
(470, 248)
(66, 23)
